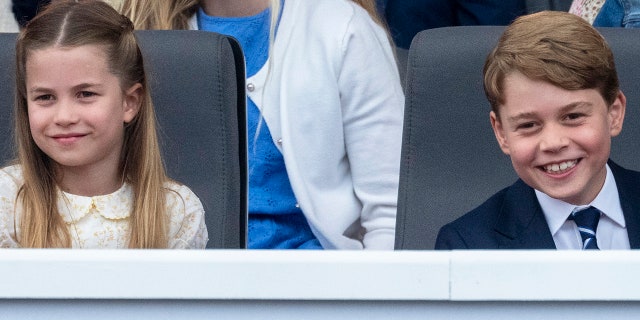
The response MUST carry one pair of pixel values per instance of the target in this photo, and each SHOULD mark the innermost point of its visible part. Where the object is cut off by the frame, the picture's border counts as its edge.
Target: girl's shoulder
(180, 195)
(177, 187)
(11, 175)
(10, 182)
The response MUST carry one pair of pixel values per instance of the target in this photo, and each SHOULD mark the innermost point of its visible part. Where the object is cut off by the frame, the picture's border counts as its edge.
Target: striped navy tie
(587, 222)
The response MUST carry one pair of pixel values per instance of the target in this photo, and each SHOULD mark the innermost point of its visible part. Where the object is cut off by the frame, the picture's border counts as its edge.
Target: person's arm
(611, 14)
(372, 103)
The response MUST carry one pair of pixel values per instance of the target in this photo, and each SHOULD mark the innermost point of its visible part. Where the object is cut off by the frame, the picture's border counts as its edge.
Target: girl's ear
(132, 102)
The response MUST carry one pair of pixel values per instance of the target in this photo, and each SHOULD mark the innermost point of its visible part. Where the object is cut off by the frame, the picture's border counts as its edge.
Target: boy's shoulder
(628, 183)
(476, 229)
(623, 175)
(487, 213)
(515, 208)
(520, 195)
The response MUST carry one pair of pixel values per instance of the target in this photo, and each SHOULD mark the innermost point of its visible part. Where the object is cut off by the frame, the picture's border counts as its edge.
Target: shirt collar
(113, 206)
(607, 201)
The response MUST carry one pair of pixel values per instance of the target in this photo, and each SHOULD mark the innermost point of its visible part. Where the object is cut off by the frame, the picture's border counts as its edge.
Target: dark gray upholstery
(197, 85)
(7, 70)
(451, 161)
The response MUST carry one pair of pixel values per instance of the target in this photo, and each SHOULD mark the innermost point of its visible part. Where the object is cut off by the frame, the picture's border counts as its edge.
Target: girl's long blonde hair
(74, 24)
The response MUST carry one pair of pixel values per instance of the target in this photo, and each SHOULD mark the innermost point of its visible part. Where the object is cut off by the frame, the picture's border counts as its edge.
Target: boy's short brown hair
(557, 47)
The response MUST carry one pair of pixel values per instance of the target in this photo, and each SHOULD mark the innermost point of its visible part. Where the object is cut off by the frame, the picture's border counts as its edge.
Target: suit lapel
(521, 223)
(628, 183)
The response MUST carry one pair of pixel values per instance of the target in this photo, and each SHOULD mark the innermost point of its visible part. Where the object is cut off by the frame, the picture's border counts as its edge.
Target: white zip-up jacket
(331, 97)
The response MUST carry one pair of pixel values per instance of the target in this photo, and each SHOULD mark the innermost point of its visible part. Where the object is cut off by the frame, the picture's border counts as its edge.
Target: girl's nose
(66, 114)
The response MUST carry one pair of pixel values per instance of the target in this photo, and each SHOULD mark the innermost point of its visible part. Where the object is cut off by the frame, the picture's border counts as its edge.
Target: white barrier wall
(239, 284)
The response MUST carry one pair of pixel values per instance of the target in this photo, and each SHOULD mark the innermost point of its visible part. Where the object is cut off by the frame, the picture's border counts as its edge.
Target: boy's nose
(553, 139)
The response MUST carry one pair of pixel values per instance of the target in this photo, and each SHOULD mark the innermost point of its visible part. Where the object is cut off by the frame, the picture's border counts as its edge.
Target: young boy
(556, 104)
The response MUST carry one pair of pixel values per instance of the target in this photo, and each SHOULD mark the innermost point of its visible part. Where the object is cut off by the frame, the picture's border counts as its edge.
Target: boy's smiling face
(558, 140)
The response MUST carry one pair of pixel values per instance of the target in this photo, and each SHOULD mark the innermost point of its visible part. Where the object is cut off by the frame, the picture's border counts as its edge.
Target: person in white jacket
(325, 111)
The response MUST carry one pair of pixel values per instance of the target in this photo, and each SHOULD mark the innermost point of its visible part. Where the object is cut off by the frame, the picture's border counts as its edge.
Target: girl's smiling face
(77, 108)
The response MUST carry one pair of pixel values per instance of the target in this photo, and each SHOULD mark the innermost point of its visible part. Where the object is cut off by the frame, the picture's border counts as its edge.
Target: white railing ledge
(545, 275)
(223, 274)
(536, 275)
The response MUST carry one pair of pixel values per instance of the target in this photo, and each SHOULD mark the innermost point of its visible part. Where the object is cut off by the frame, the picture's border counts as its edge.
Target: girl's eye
(44, 97)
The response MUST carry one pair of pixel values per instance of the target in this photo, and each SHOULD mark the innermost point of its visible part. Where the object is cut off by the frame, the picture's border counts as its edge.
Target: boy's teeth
(557, 167)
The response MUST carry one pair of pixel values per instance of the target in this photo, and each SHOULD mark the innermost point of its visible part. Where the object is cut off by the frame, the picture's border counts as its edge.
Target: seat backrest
(197, 86)
(7, 76)
(451, 161)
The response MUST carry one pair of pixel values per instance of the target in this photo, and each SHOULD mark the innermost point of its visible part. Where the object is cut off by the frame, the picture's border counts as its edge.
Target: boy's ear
(616, 114)
(498, 130)
(132, 101)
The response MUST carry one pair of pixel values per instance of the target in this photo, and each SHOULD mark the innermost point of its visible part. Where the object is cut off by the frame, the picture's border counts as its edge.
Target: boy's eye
(86, 94)
(526, 125)
(574, 116)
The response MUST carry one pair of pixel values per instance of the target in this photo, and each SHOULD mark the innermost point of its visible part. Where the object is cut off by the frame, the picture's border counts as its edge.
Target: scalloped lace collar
(114, 206)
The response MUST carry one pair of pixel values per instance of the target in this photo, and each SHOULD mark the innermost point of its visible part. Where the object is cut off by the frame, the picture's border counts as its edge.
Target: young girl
(325, 113)
(89, 172)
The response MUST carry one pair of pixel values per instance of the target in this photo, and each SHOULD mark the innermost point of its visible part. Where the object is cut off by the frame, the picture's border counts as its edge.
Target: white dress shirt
(612, 230)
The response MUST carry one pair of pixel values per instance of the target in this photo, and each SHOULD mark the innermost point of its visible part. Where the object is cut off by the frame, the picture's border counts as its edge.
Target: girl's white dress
(103, 221)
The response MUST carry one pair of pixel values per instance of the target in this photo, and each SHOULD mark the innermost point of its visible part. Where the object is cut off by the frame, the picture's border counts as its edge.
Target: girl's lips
(67, 138)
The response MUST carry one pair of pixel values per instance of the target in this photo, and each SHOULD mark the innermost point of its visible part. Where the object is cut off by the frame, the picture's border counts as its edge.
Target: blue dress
(275, 219)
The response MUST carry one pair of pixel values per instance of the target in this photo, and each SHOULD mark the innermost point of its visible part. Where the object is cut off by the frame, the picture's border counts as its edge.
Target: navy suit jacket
(513, 218)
